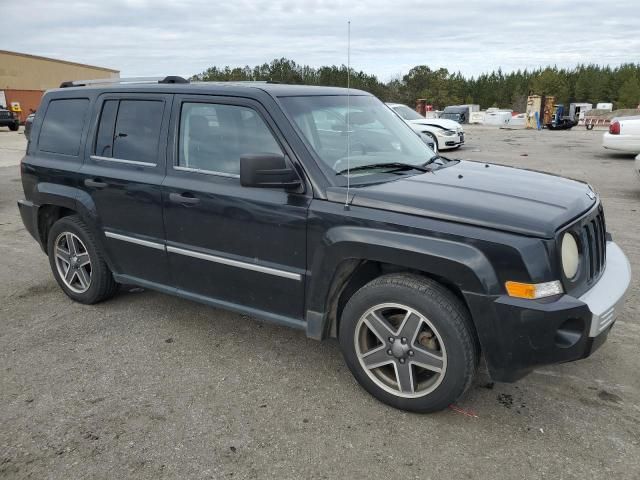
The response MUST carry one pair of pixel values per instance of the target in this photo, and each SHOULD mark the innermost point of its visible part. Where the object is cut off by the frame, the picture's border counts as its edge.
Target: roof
(273, 89)
(49, 59)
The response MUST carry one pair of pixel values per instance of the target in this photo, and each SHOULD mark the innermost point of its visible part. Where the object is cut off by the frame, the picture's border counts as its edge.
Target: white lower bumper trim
(606, 298)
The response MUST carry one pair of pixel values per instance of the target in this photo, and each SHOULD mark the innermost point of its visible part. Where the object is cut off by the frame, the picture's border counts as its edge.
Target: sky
(184, 37)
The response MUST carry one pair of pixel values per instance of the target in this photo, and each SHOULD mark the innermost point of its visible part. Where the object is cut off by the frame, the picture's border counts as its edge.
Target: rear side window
(62, 126)
(130, 130)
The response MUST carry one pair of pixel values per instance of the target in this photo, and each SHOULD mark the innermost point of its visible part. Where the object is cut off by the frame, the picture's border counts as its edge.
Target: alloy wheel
(73, 262)
(400, 350)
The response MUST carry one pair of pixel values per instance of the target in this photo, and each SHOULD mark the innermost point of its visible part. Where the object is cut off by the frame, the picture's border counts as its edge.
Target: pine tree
(590, 83)
(629, 96)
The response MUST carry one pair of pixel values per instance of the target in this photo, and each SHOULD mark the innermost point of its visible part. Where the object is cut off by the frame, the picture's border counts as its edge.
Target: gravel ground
(151, 386)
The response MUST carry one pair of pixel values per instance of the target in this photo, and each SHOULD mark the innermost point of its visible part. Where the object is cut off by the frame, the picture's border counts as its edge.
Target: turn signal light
(533, 291)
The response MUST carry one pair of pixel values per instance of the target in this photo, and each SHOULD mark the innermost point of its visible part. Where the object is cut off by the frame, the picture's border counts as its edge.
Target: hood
(438, 122)
(497, 197)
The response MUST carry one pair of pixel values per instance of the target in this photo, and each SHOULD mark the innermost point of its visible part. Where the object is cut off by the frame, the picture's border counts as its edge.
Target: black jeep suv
(9, 119)
(320, 209)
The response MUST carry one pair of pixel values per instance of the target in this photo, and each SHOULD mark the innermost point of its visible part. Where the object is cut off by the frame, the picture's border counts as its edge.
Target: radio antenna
(346, 204)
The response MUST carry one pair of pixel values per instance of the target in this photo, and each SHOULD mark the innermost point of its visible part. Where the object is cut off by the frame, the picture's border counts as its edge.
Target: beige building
(24, 78)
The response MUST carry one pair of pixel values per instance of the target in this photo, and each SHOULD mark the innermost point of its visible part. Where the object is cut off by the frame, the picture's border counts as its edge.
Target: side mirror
(267, 170)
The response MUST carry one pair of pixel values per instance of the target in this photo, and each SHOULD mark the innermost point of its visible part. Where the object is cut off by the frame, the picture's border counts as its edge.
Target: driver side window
(214, 136)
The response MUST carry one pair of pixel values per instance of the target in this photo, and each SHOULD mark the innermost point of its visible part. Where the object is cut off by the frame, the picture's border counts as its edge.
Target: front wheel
(14, 127)
(433, 138)
(409, 342)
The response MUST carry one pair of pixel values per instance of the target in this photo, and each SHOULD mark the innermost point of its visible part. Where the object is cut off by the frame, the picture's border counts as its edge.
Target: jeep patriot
(318, 208)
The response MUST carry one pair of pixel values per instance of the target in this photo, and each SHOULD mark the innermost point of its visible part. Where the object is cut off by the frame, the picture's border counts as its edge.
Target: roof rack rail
(249, 81)
(118, 80)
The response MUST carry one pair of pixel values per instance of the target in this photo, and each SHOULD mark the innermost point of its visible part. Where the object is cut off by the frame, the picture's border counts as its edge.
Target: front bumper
(530, 333)
(450, 141)
(606, 298)
(9, 122)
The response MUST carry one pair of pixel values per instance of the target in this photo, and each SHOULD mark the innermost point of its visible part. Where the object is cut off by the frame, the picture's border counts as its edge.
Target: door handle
(183, 198)
(95, 183)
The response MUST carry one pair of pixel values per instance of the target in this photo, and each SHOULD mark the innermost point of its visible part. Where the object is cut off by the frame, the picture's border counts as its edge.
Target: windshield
(376, 134)
(407, 113)
(451, 116)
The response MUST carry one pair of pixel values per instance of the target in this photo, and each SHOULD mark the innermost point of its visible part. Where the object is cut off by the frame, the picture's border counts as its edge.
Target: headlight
(570, 255)
(447, 133)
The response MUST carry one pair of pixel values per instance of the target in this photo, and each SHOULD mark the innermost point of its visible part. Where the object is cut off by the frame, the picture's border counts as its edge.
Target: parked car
(637, 165)
(457, 113)
(258, 198)
(623, 135)
(28, 124)
(446, 134)
(9, 119)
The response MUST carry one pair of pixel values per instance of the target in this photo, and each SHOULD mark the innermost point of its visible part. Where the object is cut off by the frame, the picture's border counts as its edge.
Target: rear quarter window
(62, 126)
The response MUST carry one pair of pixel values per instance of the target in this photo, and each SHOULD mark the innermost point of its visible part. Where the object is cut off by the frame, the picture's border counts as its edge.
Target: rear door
(237, 245)
(123, 171)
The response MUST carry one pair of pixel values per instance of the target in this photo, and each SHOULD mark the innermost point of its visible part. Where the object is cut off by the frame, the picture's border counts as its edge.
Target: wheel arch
(57, 201)
(49, 214)
(367, 271)
(343, 266)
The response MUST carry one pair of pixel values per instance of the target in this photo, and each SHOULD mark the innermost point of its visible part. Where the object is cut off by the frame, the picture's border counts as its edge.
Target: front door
(239, 246)
(123, 171)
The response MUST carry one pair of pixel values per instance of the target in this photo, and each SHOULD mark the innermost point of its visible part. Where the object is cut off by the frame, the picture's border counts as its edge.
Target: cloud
(149, 37)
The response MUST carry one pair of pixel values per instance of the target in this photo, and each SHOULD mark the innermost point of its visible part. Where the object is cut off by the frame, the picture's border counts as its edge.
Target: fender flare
(462, 264)
(74, 199)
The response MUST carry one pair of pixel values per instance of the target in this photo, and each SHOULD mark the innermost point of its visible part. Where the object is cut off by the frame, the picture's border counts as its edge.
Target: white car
(637, 165)
(446, 134)
(623, 135)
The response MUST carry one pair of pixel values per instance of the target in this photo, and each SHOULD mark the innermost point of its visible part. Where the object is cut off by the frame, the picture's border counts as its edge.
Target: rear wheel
(409, 342)
(77, 263)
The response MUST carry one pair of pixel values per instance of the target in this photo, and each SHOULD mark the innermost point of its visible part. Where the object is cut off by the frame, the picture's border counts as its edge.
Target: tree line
(583, 83)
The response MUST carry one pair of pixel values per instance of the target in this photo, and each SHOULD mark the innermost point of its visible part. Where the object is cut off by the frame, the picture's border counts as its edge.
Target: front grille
(5, 114)
(594, 244)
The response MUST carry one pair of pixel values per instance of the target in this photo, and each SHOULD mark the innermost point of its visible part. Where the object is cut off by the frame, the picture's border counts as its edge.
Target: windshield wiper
(394, 166)
(438, 157)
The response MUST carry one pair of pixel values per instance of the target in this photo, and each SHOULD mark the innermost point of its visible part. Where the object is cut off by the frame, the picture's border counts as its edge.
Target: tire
(14, 127)
(86, 283)
(443, 337)
(433, 139)
(589, 126)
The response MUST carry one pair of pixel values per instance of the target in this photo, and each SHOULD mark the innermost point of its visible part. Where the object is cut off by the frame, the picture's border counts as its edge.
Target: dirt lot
(150, 386)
